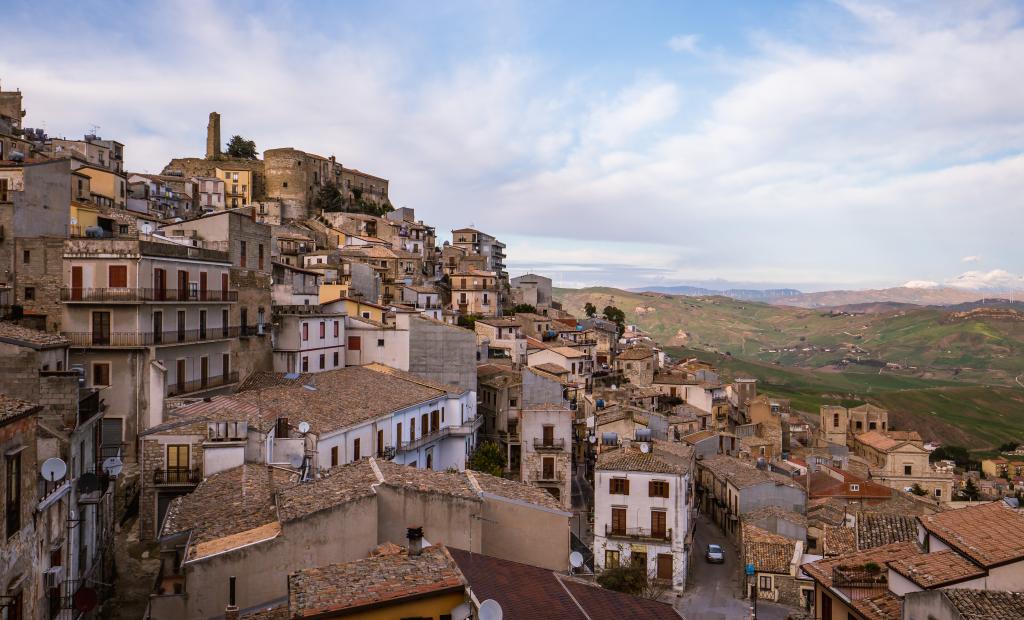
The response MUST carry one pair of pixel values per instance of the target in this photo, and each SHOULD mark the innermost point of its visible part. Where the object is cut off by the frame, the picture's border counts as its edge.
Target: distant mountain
(934, 296)
(736, 293)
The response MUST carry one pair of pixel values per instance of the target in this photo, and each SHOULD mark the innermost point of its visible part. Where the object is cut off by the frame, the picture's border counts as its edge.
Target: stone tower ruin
(213, 137)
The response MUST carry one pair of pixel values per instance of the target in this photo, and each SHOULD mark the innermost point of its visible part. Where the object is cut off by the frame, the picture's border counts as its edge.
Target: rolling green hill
(926, 342)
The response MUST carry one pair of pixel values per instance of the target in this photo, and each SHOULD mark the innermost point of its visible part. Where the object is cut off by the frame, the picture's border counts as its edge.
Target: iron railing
(552, 445)
(203, 383)
(145, 339)
(637, 533)
(555, 476)
(131, 294)
(177, 475)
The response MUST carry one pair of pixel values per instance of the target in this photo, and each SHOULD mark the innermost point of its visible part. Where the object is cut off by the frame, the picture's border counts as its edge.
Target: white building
(642, 502)
(307, 339)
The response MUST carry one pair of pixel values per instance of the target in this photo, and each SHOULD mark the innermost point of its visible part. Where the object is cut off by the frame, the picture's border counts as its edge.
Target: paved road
(713, 593)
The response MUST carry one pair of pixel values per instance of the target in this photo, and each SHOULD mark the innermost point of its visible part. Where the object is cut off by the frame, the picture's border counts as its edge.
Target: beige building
(260, 523)
(899, 460)
(147, 321)
(834, 422)
(637, 364)
(475, 293)
(238, 186)
(91, 149)
(503, 339)
(546, 432)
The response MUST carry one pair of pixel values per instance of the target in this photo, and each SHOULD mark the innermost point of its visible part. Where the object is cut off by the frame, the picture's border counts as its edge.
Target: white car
(715, 554)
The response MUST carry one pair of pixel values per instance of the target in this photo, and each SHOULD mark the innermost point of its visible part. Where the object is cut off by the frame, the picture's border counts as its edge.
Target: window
(26, 256)
(765, 582)
(424, 424)
(513, 402)
(664, 566)
(835, 420)
(618, 486)
(435, 420)
(336, 328)
(380, 342)
(241, 253)
(117, 276)
(871, 425)
(335, 365)
(611, 558)
(100, 374)
(658, 523)
(380, 443)
(854, 488)
(938, 492)
(618, 520)
(334, 456)
(355, 449)
(285, 185)
(859, 425)
(412, 429)
(323, 329)
(30, 293)
(354, 343)
(657, 488)
(323, 361)
(305, 332)
(13, 500)
(305, 364)
(908, 470)
(260, 264)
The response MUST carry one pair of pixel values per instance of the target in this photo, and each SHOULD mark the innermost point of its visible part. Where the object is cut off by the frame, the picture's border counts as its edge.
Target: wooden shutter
(117, 276)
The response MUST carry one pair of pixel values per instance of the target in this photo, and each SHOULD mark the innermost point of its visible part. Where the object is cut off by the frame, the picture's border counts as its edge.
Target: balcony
(445, 431)
(148, 339)
(551, 476)
(861, 581)
(177, 476)
(637, 533)
(197, 385)
(136, 295)
(548, 445)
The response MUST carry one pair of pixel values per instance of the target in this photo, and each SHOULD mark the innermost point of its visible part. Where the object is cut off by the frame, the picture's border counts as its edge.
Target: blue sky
(817, 145)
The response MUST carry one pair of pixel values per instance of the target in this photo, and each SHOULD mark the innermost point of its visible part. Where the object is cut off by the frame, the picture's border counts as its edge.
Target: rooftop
(768, 552)
(372, 581)
(886, 606)
(838, 540)
(941, 568)
(986, 604)
(879, 441)
(742, 475)
(635, 353)
(32, 338)
(663, 458)
(821, 571)
(13, 408)
(774, 512)
(525, 592)
(989, 533)
(875, 530)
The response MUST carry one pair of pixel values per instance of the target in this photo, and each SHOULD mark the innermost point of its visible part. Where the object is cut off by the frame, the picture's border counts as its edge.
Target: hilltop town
(250, 387)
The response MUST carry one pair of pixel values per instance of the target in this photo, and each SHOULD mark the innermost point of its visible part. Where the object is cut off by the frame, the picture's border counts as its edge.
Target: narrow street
(714, 588)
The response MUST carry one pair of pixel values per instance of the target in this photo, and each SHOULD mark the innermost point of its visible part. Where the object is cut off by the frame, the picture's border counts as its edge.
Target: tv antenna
(94, 129)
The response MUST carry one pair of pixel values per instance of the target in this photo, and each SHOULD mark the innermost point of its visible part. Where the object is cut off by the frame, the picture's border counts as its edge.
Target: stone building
(637, 364)
(532, 289)
(294, 178)
(546, 434)
(248, 245)
(776, 562)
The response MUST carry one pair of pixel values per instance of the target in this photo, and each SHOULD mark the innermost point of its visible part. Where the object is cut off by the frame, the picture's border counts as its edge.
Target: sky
(813, 145)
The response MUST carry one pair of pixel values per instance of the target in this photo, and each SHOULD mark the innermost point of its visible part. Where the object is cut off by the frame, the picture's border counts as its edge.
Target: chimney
(231, 611)
(213, 137)
(415, 536)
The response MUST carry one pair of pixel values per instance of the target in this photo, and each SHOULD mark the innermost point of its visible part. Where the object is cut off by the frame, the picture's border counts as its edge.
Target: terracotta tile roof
(338, 486)
(531, 593)
(774, 512)
(986, 604)
(497, 322)
(372, 582)
(413, 378)
(635, 353)
(664, 458)
(34, 338)
(821, 571)
(671, 378)
(343, 397)
(769, 553)
(989, 533)
(942, 568)
(552, 368)
(698, 436)
(742, 475)
(568, 352)
(875, 530)
(280, 612)
(905, 435)
(838, 540)
(516, 491)
(13, 408)
(885, 606)
(878, 441)
(842, 484)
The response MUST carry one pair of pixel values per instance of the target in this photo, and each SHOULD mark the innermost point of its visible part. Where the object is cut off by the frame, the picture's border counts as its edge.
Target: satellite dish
(54, 469)
(645, 448)
(576, 559)
(490, 610)
(88, 482)
(303, 427)
(462, 612)
(592, 439)
(147, 228)
(112, 465)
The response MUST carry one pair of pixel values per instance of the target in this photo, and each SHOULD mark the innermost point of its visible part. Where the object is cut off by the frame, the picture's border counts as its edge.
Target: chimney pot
(415, 536)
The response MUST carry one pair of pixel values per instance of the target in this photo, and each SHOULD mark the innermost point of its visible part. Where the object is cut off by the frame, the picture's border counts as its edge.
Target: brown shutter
(652, 489)
(117, 276)
(625, 486)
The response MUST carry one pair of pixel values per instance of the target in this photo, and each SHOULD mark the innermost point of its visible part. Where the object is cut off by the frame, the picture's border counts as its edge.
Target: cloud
(970, 259)
(921, 284)
(684, 43)
(994, 279)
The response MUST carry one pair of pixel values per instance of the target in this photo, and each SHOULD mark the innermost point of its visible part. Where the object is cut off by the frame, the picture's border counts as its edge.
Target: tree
(468, 320)
(633, 578)
(971, 491)
(590, 310)
(957, 454)
(527, 308)
(1009, 446)
(488, 458)
(917, 490)
(241, 148)
(329, 199)
(616, 316)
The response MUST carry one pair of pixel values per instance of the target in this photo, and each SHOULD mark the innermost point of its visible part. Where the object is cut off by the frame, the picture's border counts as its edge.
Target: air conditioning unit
(53, 576)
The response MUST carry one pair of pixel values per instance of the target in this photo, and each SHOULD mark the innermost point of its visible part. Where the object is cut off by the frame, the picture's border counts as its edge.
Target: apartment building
(212, 193)
(295, 286)
(147, 320)
(502, 338)
(642, 508)
(91, 149)
(579, 366)
(107, 188)
(475, 293)
(426, 299)
(307, 339)
(546, 434)
(776, 563)
(475, 242)
(238, 186)
(361, 185)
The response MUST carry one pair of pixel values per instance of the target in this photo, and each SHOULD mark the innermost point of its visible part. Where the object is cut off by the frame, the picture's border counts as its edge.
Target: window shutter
(652, 489)
(625, 486)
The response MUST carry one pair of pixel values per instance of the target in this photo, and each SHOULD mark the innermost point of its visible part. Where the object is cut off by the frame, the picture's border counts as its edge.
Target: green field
(974, 416)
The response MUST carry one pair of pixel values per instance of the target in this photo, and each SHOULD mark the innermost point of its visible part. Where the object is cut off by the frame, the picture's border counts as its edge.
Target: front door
(665, 566)
(202, 286)
(76, 283)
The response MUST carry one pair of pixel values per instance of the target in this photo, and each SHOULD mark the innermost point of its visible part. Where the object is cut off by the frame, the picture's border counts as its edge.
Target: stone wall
(43, 273)
(199, 167)
(19, 550)
(442, 353)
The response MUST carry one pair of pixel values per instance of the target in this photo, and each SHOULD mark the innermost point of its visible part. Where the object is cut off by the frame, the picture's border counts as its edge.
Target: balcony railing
(134, 295)
(548, 445)
(637, 533)
(196, 385)
(556, 476)
(445, 431)
(146, 339)
(177, 475)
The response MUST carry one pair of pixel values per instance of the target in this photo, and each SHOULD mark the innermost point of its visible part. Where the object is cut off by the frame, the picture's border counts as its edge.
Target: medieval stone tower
(213, 137)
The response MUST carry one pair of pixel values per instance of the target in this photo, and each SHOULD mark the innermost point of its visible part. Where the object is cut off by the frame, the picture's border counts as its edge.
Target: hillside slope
(926, 342)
